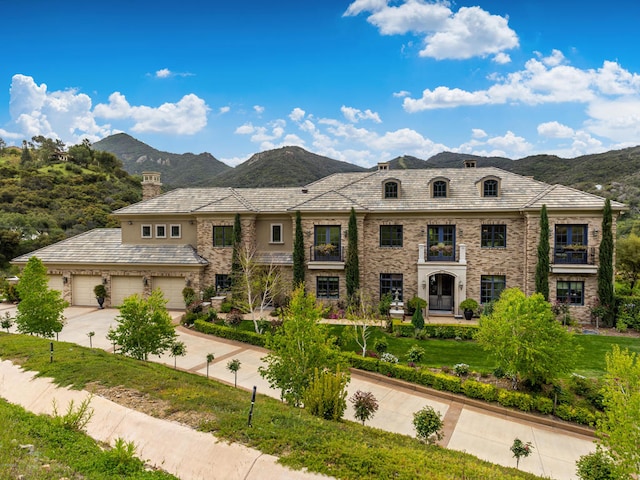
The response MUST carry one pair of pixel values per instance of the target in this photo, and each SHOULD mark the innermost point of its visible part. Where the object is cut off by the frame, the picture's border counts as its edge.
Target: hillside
(178, 170)
(283, 167)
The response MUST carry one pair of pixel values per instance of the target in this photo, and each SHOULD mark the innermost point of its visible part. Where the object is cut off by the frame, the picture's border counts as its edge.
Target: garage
(82, 290)
(171, 289)
(55, 282)
(123, 287)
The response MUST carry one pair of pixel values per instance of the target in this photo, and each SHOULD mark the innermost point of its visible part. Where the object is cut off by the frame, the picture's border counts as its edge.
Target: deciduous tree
(297, 348)
(522, 334)
(144, 326)
(40, 310)
(628, 258)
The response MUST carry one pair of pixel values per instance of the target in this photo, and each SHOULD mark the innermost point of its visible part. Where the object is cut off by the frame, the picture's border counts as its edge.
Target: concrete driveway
(470, 428)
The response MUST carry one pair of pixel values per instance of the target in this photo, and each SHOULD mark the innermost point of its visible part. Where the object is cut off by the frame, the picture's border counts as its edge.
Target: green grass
(35, 447)
(341, 449)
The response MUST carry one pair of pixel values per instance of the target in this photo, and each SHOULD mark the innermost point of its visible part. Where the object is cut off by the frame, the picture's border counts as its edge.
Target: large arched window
(489, 186)
(439, 187)
(391, 189)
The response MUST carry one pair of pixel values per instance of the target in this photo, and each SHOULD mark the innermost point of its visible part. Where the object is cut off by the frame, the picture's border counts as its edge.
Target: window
(493, 236)
(146, 231)
(175, 231)
(391, 283)
(391, 190)
(570, 244)
(490, 188)
(327, 243)
(222, 236)
(439, 189)
(491, 286)
(161, 231)
(441, 242)
(390, 235)
(276, 233)
(327, 287)
(223, 283)
(571, 293)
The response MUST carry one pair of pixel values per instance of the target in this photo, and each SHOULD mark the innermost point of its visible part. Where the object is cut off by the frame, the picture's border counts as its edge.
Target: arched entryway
(441, 292)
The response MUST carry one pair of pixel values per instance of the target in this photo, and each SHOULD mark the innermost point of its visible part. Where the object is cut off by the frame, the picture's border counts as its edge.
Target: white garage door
(55, 282)
(171, 289)
(82, 290)
(123, 287)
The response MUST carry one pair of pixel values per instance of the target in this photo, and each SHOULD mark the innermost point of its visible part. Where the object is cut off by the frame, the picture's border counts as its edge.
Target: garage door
(82, 290)
(123, 287)
(55, 282)
(171, 289)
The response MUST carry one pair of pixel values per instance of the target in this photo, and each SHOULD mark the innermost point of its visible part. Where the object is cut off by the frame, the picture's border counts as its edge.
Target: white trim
(150, 227)
(179, 230)
(271, 240)
(164, 228)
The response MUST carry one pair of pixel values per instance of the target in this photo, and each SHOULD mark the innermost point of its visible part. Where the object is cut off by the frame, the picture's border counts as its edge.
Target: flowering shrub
(389, 358)
(520, 449)
(461, 369)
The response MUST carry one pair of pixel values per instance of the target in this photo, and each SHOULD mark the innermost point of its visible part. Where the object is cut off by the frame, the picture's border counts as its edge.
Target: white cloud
(467, 33)
(541, 81)
(502, 58)
(246, 129)
(186, 117)
(259, 109)
(297, 114)
(223, 110)
(555, 130)
(401, 94)
(478, 133)
(510, 142)
(354, 115)
(164, 73)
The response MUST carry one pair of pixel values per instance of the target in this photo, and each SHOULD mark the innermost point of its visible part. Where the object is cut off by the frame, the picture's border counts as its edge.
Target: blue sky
(361, 81)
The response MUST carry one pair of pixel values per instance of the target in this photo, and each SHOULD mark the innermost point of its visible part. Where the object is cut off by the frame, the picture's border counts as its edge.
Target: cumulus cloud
(354, 115)
(543, 80)
(469, 32)
(223, 110)
(259, 109)
(186, 117)
(555, 130)
(478, 133)
(502, 58)
(401, 94)
(297, 114)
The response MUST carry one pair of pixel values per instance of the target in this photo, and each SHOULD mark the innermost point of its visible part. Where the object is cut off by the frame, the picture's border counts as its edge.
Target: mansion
(443, 234)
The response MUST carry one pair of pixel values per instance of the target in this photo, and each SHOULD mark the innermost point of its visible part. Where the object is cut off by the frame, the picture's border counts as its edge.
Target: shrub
(596, 466)
(74, 418)
(365, 405)
(522, 401)
(417, 319)
(189, 295)
(234, 318)
(415, 353)
(388, 358)
(447, 383)
(428, 424)
(380, 345)
(226, 306)
(576, 414)
(543, 405)
(230, 333)
(325, 397)
(461, 369)
(189, 318)
(482, 391)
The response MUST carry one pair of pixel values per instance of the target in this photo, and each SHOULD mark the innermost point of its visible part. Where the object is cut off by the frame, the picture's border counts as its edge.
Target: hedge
(229, 333)
(432, 330)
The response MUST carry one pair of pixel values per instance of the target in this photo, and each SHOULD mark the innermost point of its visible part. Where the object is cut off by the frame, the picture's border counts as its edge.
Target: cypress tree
(542, 267)
(352, 265)
(298, 254)
(605, 267)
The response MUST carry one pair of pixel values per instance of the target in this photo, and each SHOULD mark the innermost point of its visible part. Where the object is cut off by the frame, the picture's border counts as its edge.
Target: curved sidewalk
(469, 426)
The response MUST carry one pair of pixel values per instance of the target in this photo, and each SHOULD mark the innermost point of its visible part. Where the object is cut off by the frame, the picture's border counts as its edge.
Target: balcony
(326, 257)
(574, 259)
(446, 254)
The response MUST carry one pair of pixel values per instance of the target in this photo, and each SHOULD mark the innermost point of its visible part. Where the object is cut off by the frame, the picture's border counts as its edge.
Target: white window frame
(163, 226)
(179, 227)
(150, 227)
(271, 240)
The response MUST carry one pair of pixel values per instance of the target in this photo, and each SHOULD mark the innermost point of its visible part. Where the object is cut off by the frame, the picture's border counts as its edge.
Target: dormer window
(391, 189)
(489, 187)
(440, 188)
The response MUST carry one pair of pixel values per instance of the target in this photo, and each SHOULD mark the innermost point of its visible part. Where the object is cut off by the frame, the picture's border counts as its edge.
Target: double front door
(441, 292)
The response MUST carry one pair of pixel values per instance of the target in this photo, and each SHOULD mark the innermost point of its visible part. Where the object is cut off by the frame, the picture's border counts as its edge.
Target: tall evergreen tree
(352, 264)
(236, 267)
(605, 266)
(542, 267)
(298, 253)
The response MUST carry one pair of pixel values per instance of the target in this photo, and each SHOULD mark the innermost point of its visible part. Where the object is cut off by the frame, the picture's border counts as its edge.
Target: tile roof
(103, 246)
(363, 191)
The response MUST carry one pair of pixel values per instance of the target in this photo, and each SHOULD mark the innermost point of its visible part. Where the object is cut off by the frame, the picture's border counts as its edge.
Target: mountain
(177, 170)
(282, 167)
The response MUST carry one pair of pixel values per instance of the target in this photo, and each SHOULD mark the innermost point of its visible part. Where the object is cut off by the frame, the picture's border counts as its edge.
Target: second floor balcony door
(327, 243)
(441, 242)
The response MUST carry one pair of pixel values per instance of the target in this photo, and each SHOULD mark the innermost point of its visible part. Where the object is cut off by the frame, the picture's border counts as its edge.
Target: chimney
(383, 166)
(151, 186)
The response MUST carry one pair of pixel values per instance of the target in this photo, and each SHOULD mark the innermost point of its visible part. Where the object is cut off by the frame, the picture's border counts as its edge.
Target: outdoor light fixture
(188, 282)
(145, 281)
(130, 222)
(65, 280)
(104, 281)
(460, 286)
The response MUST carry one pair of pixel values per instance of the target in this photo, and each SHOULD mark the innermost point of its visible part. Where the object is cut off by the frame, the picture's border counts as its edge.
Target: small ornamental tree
(144, 326)
(428, 424)
(7, 322)
(605, 267)
(365, 405)
(542, 267)
(233, 366)
(40, 310)
(298, 253)
(210, 358)
(178, 349)
(352, 265)
(417, 319)
(520, 449)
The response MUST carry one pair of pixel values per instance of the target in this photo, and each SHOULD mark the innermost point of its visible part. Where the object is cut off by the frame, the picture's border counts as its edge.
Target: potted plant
(100, 292)
(468, 306)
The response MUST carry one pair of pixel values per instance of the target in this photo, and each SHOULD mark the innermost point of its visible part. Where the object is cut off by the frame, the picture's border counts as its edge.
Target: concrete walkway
(469, 426)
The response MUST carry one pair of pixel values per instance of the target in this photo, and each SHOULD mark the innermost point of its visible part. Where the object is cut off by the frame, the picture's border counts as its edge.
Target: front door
(441, 292)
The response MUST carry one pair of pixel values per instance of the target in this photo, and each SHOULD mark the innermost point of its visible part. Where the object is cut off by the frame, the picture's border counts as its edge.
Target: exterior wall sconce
(65, 280)
(188, 282)
(145, 281)
(130, 222)
(104, 281)
(191, 222)
(460, 286)
(595, 232)
(424, 284)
